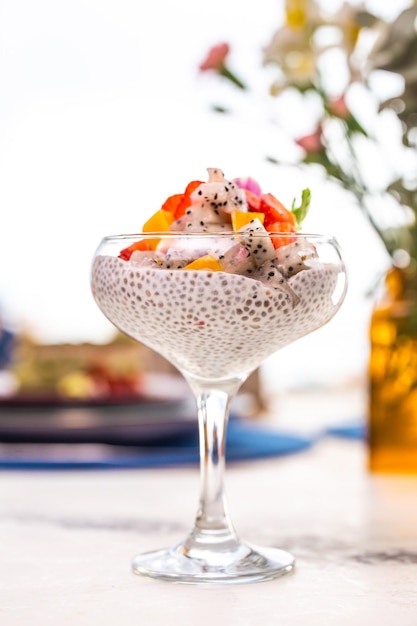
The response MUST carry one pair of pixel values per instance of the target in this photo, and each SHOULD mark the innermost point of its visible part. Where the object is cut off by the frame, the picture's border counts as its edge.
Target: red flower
(216, 62)
(216, 57)
(338, 107)
(311, 143)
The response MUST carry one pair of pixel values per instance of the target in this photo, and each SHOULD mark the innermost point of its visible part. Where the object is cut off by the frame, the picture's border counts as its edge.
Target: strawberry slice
(142, 244)
(185, 201)
(275, 211)
(254, 201)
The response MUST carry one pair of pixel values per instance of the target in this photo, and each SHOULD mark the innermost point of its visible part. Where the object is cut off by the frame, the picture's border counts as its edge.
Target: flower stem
(226, 73)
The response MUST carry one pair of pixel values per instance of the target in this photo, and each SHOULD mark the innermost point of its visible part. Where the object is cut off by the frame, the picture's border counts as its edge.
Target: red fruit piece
(281, 227)
(185, 201)
(275, 211)
(143, 244)
(254, 201)
(171, 203)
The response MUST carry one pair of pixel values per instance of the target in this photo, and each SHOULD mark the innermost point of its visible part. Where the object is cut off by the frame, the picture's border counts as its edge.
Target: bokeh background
(103, 114)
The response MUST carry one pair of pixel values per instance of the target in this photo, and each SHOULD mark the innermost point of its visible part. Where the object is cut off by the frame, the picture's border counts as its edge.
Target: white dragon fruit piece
(143, 258)
(270, 275)
(175, 259)
(237, 260)
(215, 175)
(158, 259)
(219, 195)
(260, 248)
(179, 224)
(203, 218)
(296, 256)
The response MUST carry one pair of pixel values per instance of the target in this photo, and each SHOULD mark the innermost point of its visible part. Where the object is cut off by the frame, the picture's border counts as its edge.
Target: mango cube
(206, 262)
(241, 218)
(158, 222)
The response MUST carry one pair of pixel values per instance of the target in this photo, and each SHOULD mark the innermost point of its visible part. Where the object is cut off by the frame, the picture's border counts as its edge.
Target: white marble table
(67, 539)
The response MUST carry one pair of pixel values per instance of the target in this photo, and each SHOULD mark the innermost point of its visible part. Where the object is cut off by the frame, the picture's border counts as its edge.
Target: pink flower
(216, 61)
(311, 143)
(250, 184)
(338, 107)
(216, 57)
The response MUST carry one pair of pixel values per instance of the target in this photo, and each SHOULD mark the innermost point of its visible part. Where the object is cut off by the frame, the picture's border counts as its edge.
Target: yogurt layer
(213, 324)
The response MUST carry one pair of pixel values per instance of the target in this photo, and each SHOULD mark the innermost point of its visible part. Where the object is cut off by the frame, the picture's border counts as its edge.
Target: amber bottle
(393, 376)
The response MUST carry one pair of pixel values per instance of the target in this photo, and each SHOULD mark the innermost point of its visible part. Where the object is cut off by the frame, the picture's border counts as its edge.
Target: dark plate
(133, 420)
(121, 424)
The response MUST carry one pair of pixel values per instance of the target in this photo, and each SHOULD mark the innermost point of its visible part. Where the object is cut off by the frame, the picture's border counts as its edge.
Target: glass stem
(213, 526)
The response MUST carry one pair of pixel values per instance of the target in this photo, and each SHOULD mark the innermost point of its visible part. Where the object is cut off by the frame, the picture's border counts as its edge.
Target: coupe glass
(216, 327)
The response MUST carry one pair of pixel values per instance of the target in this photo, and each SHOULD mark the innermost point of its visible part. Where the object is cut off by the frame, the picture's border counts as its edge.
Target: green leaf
(219, 108)
(353, 126)
(272, 160)
(301, 211)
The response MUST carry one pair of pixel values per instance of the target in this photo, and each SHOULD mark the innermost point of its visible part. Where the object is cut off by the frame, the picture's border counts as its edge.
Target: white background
(103, 114)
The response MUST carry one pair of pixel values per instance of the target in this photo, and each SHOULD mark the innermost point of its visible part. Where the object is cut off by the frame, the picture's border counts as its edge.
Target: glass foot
(243, 564)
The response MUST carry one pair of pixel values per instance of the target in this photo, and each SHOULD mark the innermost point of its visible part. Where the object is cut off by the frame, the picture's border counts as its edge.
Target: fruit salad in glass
(219, 279)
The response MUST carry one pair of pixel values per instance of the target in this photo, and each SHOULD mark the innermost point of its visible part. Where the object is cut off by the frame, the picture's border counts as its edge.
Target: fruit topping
(206, 262)
(256, 222)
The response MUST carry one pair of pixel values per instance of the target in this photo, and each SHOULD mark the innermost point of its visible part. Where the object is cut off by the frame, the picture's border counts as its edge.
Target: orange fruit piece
(172, 203)
(241, 218)
(280, 227)
(159, 221)
(206, 262)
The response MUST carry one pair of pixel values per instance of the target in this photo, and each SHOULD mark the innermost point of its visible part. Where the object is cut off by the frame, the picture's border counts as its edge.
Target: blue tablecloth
(245, 441)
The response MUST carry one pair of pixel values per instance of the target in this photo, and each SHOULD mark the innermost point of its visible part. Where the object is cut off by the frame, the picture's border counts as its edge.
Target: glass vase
(393, 376)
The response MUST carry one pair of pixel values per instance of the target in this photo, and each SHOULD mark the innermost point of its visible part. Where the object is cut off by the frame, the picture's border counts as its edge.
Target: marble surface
(67, 540)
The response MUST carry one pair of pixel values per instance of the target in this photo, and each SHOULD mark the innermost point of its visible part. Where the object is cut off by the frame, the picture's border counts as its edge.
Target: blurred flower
(216, 61)
(348, 21)
(311, 143)
(338, 107)
(291, 49)
(315, 49)
(298, 13)
(216, 57)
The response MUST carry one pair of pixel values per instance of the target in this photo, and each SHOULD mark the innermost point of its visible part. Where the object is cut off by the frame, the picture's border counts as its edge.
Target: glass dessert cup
(216, 327)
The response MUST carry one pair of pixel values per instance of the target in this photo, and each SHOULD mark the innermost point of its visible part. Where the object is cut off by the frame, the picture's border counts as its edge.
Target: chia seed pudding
(213, 324)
